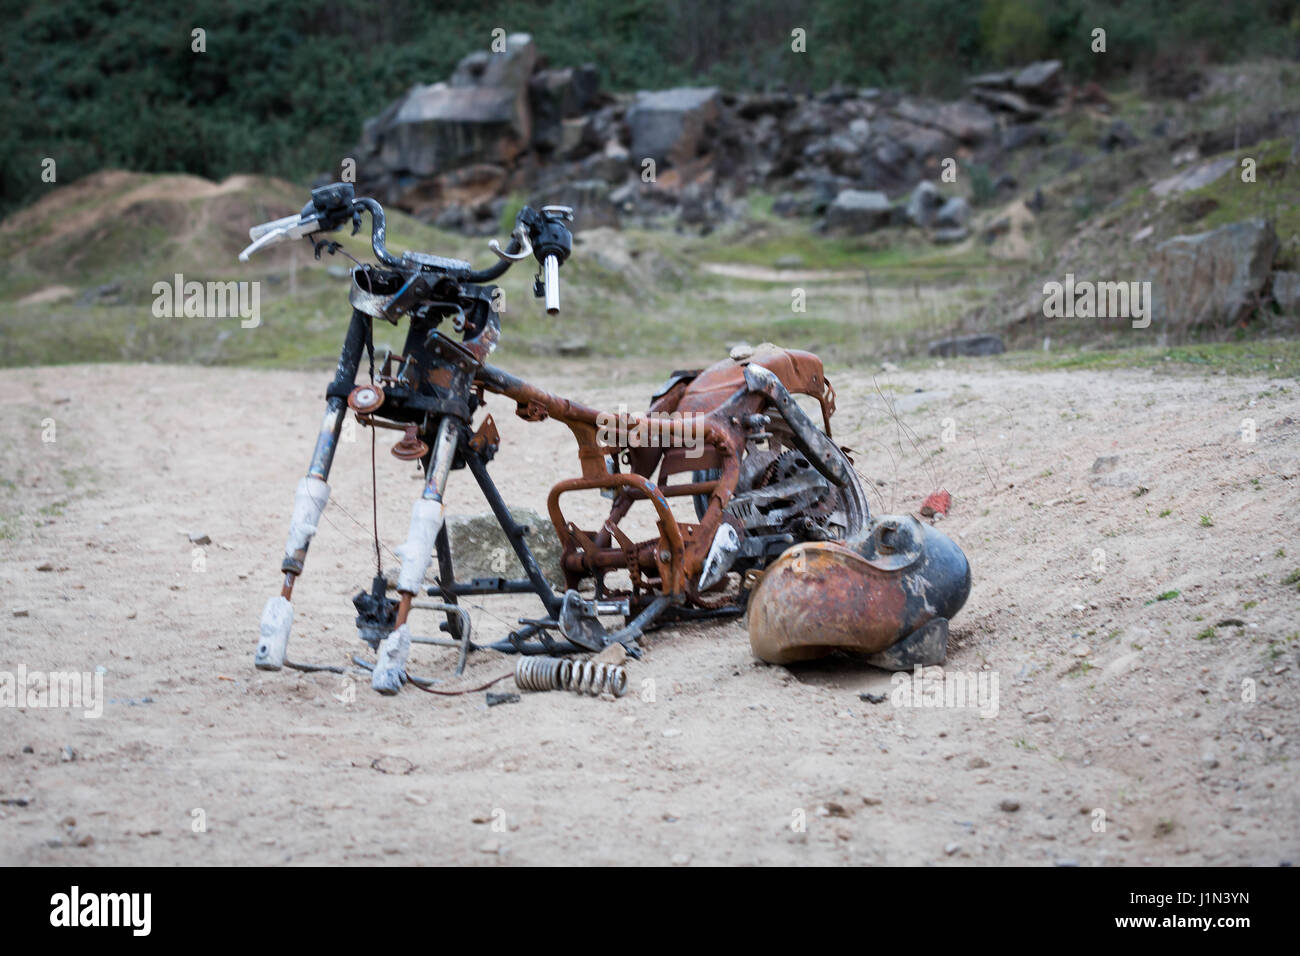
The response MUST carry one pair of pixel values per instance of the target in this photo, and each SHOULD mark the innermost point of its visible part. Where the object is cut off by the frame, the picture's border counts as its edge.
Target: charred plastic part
(874, 594)
(376, 612)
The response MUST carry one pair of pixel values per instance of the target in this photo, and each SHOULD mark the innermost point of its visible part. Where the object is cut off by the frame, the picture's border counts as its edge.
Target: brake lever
(270, 233)
(262, 241)
(526, 247)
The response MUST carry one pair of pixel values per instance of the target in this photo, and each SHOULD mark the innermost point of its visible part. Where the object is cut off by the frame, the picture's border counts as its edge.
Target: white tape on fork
(308, 504)
(417, 551)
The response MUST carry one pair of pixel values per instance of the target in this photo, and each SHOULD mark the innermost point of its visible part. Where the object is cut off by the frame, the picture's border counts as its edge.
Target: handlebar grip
(551, 283)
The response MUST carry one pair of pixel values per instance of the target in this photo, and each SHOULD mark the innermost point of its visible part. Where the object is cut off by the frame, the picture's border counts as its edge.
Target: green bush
(283, 88)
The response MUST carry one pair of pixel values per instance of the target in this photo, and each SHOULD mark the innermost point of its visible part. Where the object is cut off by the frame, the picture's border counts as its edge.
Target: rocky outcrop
(558, 100)
(451, 152)
(967, 122)
(673, 127)
(450, 143)
(1215, 277)
(1022, 95)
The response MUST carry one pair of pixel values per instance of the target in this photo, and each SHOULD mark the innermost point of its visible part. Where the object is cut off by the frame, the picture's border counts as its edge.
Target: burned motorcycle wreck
(760, 473)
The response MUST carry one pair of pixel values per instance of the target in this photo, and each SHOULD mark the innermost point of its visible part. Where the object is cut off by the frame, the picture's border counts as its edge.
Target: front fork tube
(309, 500)
(416, 555)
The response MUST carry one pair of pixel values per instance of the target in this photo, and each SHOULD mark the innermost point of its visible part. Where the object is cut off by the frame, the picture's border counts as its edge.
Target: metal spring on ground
(560, 673)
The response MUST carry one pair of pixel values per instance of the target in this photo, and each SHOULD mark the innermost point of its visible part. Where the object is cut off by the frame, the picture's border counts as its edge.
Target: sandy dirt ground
(1128, 729)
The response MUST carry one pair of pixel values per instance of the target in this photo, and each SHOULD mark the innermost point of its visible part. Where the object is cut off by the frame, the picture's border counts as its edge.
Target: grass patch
(1272, 195)
(1278, 358)
(1165, 596)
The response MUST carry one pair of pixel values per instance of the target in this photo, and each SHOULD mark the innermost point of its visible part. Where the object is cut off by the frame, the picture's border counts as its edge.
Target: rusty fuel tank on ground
(887, 592)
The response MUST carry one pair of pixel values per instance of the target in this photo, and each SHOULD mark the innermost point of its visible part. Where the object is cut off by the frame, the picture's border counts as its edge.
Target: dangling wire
(374, 506)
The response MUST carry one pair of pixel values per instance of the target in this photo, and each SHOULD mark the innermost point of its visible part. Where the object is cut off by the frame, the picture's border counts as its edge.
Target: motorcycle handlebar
(543, 234)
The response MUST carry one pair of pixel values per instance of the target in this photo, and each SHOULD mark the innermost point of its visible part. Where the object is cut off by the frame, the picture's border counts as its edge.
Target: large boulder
(1212, 277)
(507, 69)
(968, 122)
(924, 203)
(559, 96)
(674, 126)
(950, 234)
(480, 549)
(1022, 93)
(440, 127)
(920, 142)
(953, 214)
(481, 115)
(856, 211)
(1286, 292)
(1041, 81)
(998, 80)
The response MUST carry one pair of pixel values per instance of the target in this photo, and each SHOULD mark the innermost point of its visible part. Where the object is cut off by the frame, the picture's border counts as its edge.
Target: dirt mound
(113, 216)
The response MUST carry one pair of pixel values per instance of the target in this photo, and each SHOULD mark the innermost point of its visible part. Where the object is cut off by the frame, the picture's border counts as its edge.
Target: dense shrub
(283, 87)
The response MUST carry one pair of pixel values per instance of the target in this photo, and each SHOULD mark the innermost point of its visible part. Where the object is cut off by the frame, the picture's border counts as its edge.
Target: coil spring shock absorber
(581, 677)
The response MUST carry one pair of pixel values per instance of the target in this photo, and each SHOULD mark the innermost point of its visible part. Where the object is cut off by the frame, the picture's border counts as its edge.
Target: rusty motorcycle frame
(760, 472)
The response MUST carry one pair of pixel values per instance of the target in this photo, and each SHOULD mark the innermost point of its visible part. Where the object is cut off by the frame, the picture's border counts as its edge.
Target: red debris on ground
(937, 503)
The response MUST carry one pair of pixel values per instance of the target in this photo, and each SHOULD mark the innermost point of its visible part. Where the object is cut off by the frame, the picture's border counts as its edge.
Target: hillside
(78, 267)
(283, 88)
